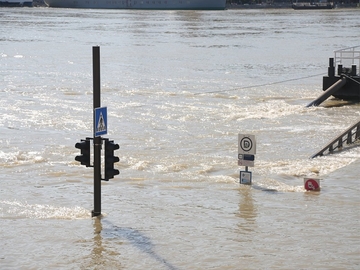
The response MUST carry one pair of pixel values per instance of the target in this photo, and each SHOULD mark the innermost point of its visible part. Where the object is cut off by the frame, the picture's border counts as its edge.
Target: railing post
(349, 137)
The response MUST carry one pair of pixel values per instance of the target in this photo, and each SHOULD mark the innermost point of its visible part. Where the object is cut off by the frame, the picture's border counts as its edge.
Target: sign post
(99, 128)
(246, 156)
(97, 139)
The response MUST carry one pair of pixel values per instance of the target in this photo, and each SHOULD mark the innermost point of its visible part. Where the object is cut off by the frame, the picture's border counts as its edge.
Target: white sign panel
(247, 163)
(245, 178)
(246, 144)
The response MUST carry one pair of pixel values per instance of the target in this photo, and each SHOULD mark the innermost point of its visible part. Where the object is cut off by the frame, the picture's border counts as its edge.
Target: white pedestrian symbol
(101, 124)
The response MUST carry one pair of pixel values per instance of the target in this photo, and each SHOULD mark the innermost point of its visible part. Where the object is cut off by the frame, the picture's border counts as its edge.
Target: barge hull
(350, 91)
(140, 4)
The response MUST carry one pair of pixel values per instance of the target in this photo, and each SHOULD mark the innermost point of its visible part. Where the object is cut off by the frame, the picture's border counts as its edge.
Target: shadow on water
(264, 188)
(136, 238)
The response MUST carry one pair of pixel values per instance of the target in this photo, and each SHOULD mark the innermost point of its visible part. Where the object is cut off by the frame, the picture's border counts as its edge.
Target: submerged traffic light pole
(100, 128)
(97, 140)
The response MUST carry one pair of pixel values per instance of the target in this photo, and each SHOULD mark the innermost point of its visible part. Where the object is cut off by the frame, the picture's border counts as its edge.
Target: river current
(179, 87)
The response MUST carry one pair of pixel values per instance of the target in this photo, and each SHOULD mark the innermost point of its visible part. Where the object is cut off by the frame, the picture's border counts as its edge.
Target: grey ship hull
(140, 4)
(14, 3)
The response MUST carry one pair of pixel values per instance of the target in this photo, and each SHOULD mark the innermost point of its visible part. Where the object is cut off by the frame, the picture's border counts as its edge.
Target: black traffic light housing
(110, 159)
(84, 158)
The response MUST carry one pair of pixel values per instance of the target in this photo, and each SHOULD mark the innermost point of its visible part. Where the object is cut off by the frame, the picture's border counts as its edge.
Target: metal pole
(97, 140)
(331, 90)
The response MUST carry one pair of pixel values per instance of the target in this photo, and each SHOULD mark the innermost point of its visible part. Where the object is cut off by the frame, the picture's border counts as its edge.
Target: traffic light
(110, 159)
(84, 158)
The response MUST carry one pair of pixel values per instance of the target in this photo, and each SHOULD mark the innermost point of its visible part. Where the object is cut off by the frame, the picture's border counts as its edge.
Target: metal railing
(350, 136)
(348, 57)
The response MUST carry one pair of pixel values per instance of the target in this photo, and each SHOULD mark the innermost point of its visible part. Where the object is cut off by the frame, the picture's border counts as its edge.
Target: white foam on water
(269, 109)
(319, 166)
(269, 184)
(20, 157)
(275, 174)
(17, 209)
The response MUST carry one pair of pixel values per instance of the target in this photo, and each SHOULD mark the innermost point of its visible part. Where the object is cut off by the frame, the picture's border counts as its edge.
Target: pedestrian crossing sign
(100, 123)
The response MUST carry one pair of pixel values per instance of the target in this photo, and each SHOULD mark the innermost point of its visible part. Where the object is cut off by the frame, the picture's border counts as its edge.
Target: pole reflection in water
(103, 255)
(247, 210)
(98, 251)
